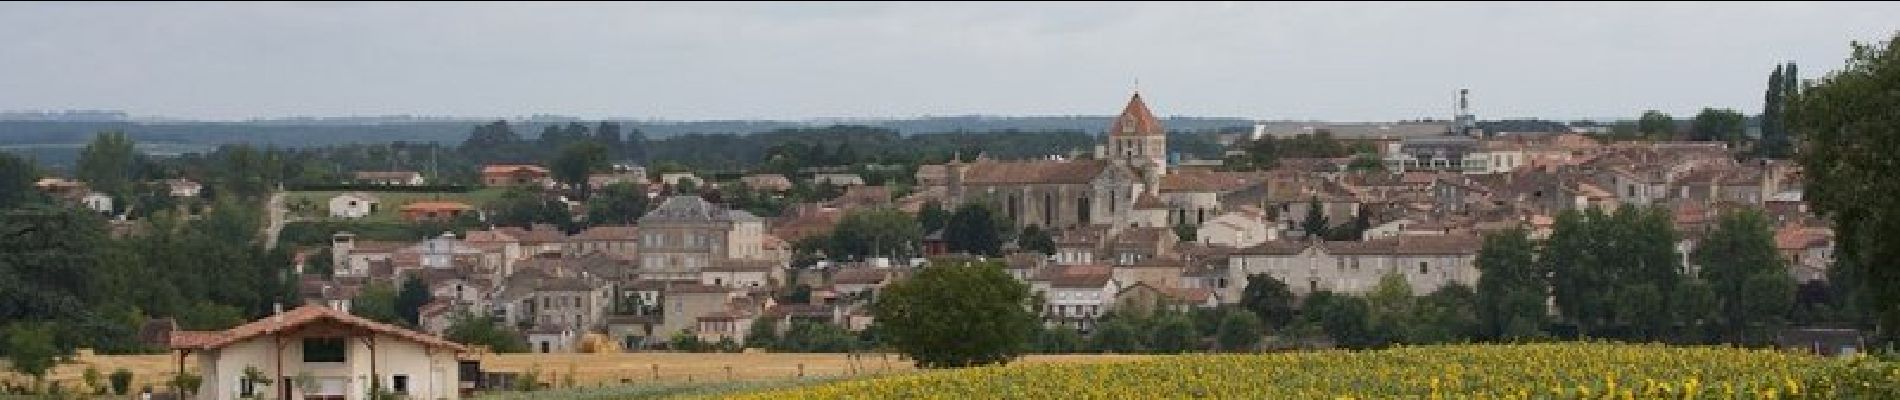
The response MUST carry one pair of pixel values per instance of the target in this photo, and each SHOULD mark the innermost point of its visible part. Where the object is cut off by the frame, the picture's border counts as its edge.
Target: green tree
(617, 204)
(1392, 309)
(976, 228)
(576, 161)
(1173, 332)
(933, 216)
(377, 302)
(875, 232)
(1511, 287)
(121, 381)
(521, 208)
(1238, 331)
(1315, 224)
(1269, 299)
(763, 334)
(1752, 288)
(1035, 239)
(107, 164)
(1719, 125)
(1656, 125)
(1116, 334)
(1344, 318)
(31, 349)
(957, 315)
(1186, 233)
(1446, 315)
(17, 176)
(485, 330)
(409, 301)
(1773, 136)
(1848, 129)
(1059, 340)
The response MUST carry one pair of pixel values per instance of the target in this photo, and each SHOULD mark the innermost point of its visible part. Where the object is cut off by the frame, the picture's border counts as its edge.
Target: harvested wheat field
(608, 369)
(586, 369)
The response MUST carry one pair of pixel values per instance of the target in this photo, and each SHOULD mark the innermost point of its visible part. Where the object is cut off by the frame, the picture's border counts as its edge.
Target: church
(1126, 184)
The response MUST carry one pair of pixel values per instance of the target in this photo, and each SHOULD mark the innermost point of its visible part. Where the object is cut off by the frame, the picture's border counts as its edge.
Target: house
(674, 178)
(598, 181)
(98, 202)
(687, 234)
(1426, 262)
(837, 179)
(1239, 228)
(515, 175)
(685, 303)
(344, 353)
(722, 326)
(547, 338)
(183, 187)
(767, 182)
(1807, 251)
(1076, 295)
(391, 178)
(434, 210)
(620, 242)
(352, 205)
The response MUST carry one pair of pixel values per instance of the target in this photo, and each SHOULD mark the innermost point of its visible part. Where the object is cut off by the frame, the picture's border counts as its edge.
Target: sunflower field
(1527, 371)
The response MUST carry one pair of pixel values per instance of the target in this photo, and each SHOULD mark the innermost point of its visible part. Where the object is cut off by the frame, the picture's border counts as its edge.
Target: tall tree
(1315, 224)
(1238, 330)
(949, 316)
(617, 204)
(1269, 299)
(1719, 125)
(1656, 125)
(1511, 287)
(1773, 137)
(1752, 288)
(106, 164)
(410, 299)
(1173, 332)
(1850, 123)
(377, 302)
(576, 162)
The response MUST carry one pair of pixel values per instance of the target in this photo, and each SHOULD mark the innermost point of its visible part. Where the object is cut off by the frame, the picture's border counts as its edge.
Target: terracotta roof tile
(1136, 119)
(200, 340)
(1023, 172)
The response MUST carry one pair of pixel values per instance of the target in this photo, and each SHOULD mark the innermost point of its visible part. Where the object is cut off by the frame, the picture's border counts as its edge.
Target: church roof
(1028, 172)
(1136, 120)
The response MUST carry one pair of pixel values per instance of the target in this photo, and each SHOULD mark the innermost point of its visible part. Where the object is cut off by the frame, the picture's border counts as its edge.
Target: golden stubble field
(586, 369)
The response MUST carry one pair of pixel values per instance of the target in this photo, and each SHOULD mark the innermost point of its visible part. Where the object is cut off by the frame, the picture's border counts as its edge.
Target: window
(399, 384)
(324, 350)
(246, 387)
(1424, 268)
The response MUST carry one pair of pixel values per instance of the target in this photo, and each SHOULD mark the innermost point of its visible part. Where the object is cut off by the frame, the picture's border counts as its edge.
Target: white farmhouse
(345, 355)
(352, 205)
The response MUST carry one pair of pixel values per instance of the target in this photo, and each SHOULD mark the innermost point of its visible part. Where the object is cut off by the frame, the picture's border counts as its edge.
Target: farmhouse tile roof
(290, 320)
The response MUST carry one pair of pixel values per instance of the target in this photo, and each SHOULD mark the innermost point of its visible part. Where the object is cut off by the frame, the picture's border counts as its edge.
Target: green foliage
(16, 181)
(121, 380)
(377, 302)
(576, 161)
(1238, 331)
(1343, 318)
(30, 348)
(409, 301)
(1849, 123)
(1035, 239)
(875, 232)
(1656, 125)
(1268, 299)
(91, 378)
(1059, 340)
(1172, 332)
(957, 315)
(763, 333)
(815, 337)
(1511, 287)
(617, 204)
(1267, 152)
(485, 330)
(1783, 85)
(521, 208)
(187, 383)
(1116, 334)
(933, 216)
(976, 228)
(108, 164)
(1186, 233)
(1718, 125)
(686, 341)
(1315, 224)
(1596, 260)
(1752, 288)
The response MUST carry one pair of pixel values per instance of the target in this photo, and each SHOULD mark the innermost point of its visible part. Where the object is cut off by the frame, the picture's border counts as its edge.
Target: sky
(1307, 61)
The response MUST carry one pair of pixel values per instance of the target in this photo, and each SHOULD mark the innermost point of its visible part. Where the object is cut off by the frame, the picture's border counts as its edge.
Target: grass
(317, 203)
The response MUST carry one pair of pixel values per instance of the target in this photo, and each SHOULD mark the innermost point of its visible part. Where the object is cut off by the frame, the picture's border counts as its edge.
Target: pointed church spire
(1136, 120)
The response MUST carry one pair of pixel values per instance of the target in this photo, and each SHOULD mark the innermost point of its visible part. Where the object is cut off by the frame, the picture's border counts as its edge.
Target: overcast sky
(797, 61)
